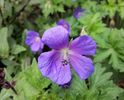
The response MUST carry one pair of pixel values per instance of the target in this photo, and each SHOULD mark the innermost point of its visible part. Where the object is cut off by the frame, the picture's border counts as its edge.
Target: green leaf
(37, 80)
(4, 47)
(32, 2)
(29, 84)
(11, 65)
(32, 78)
(18, 49)
(110, 48)
(99, 87)
(102, 55)
(99, 77)
(75, 91)
(47, 7)
(51, 7)
(25, 90)
(7, 10)
(93, 26)
(121, 96)
(1, 3)
(100, 81)
(5, 94)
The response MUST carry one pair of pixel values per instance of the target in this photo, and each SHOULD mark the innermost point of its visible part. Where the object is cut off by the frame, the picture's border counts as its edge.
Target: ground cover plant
(61, 49)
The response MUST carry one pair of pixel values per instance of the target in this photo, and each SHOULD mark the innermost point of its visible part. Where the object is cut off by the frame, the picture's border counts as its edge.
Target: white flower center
(37, 39)
(64, 54)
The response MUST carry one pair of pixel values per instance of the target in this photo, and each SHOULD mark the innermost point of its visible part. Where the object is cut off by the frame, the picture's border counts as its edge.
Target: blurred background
(103, 20)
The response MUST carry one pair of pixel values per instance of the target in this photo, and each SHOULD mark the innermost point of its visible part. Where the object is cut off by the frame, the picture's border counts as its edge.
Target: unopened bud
(83, 32)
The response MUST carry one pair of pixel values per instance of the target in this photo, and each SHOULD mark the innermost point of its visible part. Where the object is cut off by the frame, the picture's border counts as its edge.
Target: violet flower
(65, 24)
(56, 64)
(34, 41)
(78, 12)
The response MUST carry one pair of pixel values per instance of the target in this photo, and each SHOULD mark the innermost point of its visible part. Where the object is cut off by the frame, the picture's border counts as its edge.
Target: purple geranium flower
(65, 24)
(34, 41)
(78, 12)
(56, 63)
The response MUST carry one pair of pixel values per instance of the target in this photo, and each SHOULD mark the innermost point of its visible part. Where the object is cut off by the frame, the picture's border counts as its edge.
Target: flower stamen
(64, 62)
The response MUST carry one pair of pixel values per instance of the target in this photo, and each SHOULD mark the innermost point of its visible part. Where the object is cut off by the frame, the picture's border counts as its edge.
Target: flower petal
(56, 37)
(37, 46)
(31, 35)
(84, 45)
(51, 66)
(65, 24)
(78, 12)
(82, 65)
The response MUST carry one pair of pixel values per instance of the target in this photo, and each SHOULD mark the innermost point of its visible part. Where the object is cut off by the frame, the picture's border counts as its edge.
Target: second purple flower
(34, 41)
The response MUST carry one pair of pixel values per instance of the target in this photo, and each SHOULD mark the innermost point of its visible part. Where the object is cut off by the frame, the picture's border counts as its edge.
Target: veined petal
(84, 45)
(82, 65)
(56, 37)
(51, 66)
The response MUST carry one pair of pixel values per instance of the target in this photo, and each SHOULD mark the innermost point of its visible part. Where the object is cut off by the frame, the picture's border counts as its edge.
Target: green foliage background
(102, 19)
